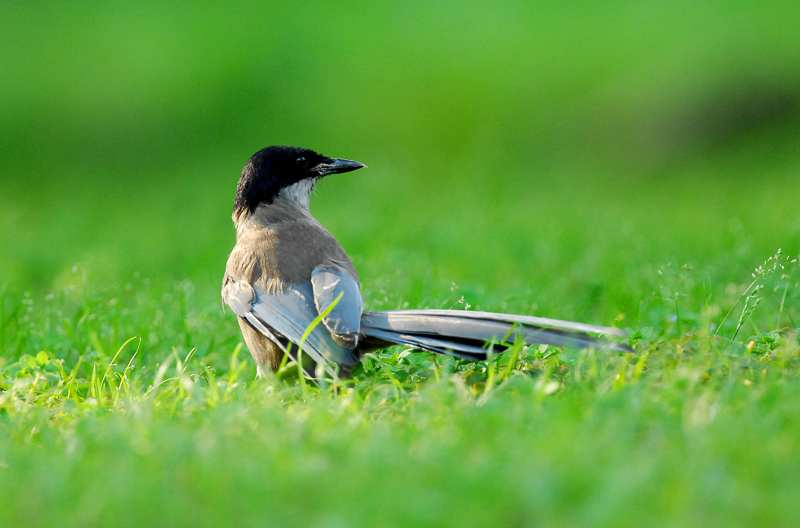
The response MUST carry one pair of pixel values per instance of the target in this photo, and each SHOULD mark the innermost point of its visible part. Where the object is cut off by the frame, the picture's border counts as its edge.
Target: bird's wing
(287, 315)
(331, 282)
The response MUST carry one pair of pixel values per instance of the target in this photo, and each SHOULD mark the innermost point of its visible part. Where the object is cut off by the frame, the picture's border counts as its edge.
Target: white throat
(298, 193)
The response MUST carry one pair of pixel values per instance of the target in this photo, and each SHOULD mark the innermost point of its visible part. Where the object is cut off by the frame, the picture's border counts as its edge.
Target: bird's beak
(337, 166)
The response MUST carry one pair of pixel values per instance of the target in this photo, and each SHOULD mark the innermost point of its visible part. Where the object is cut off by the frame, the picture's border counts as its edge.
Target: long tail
(472, 335)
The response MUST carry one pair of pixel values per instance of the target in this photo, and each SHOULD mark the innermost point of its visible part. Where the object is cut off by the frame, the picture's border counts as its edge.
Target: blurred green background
(624, 163)
(505, 142)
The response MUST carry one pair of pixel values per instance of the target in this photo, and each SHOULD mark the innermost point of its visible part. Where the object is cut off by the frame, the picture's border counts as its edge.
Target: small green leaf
(42, 357)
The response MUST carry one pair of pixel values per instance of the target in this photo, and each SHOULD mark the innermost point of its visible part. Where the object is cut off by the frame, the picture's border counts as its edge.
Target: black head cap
(273, 168)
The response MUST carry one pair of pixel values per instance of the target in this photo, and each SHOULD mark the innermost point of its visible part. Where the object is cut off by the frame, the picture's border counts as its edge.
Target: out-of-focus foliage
(123, 126)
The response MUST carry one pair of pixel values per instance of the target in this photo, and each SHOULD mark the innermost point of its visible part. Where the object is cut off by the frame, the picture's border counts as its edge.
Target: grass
(132, 402)
(522, 159)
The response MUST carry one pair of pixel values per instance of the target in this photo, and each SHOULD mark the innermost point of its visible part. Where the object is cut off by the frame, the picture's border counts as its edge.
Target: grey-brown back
(282, 243)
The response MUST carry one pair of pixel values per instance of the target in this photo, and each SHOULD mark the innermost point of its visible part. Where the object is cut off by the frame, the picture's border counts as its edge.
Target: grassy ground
(131, 401)
(514, 168)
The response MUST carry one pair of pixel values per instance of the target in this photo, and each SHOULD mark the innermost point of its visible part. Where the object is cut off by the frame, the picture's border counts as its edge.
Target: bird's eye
(301, 160)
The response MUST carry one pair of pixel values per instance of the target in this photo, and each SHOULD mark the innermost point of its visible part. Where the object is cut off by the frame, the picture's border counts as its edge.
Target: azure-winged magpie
(286, 269)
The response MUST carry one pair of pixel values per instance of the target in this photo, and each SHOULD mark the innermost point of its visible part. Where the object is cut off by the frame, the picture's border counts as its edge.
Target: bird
(295, 291)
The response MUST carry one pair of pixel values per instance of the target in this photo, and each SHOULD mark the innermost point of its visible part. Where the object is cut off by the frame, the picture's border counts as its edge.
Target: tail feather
(527, 320)
(472, 335)
(431, 344)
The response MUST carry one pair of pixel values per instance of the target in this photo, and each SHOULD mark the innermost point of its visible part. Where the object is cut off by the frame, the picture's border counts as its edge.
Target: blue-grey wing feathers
(329, 282)
(287, 315)
(290, 313)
